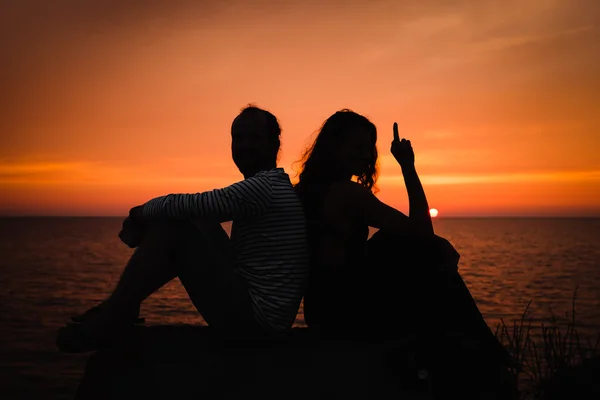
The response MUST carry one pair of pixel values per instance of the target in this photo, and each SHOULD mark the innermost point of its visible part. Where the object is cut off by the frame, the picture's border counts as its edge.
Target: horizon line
(457, 216)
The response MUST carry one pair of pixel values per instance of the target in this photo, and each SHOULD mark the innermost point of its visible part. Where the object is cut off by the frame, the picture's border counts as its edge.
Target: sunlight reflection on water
(52, 268)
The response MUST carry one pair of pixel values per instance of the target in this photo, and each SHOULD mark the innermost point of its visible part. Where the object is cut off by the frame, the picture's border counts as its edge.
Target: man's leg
(146, 271)
(200, 255)
(150, 266)
(204, 262)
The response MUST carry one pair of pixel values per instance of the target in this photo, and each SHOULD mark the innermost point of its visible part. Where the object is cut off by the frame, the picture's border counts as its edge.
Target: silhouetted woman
(401, 282)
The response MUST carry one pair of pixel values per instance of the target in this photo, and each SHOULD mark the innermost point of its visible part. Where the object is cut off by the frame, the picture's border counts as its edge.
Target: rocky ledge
(187, 362)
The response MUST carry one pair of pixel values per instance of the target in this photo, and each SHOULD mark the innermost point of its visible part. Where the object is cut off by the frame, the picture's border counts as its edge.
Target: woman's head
(344, 147)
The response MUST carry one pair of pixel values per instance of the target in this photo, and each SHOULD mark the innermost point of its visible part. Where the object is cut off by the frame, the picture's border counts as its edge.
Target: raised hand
(402, 149)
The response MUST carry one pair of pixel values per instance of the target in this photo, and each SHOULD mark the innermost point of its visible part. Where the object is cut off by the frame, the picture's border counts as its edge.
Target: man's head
(255, 140)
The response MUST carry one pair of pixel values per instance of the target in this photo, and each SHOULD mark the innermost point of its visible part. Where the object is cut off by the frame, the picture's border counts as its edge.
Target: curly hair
(317, 165)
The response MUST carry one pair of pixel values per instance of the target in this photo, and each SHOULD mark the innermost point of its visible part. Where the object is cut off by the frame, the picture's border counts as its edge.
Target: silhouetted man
(250, 284)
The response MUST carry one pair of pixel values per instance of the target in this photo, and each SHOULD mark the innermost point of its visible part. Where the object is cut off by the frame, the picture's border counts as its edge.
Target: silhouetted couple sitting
(402, 281)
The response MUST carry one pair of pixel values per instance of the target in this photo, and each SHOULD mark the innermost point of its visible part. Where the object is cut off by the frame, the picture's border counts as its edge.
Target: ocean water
(51, 268)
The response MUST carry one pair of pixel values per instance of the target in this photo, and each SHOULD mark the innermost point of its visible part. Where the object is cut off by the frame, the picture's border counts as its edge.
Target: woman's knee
(409, 243)
(391, 246)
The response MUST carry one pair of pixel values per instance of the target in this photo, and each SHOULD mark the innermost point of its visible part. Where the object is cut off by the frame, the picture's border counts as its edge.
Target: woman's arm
(417, 201)
(418, 206)
(351, 198)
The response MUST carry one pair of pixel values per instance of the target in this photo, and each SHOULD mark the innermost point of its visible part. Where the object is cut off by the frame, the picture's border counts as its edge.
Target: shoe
(96, 331)
(75, 338)
(92, 312)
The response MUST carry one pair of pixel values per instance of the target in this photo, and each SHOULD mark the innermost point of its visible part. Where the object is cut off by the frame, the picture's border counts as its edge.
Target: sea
(54, 267)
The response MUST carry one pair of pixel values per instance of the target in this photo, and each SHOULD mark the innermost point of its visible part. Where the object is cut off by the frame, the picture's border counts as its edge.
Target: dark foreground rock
(185, 362)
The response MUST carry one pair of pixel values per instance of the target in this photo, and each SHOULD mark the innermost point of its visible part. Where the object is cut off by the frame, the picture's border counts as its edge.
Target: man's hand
(133, 227)
(136, 213)
(402, 150)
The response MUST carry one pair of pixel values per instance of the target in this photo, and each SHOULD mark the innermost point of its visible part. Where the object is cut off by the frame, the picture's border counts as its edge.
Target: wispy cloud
(103, 174)
(27, 169)
(442, 159)
(473, 179)
(503, 42)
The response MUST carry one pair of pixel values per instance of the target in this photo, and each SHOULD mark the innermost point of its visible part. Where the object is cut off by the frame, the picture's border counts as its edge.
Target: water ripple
(52, 268)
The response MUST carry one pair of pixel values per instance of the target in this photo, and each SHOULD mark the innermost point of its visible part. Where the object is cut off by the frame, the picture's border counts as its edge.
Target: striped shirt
(268, 236)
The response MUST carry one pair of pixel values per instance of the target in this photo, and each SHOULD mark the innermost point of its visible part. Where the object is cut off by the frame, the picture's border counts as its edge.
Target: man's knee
(166, 231)
(212, 229)
(188, 239)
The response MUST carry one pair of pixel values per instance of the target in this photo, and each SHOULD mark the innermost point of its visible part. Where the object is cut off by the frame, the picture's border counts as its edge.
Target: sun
(433, 212)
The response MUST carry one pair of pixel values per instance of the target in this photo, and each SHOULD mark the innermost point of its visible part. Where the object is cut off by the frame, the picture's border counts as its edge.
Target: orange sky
(106, 105)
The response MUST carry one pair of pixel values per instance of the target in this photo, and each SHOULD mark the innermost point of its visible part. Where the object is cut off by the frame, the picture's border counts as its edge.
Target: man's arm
(246, 198)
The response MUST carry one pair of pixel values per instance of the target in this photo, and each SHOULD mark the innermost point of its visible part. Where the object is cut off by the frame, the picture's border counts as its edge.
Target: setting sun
(433, 212)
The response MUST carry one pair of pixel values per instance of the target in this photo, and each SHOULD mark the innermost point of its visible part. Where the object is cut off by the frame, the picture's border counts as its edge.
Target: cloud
(169, 172)
(26, 169)
(474, 179)
(512, 40)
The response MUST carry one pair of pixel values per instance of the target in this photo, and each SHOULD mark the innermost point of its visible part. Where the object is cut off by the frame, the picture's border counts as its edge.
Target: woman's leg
(434, 304)
(402, 287)
(413, 267)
